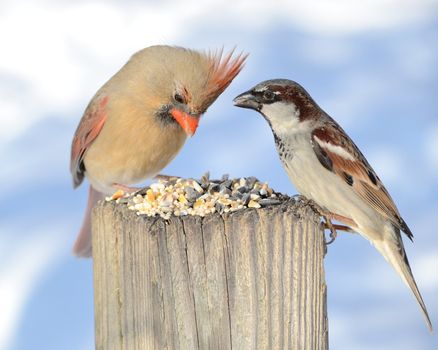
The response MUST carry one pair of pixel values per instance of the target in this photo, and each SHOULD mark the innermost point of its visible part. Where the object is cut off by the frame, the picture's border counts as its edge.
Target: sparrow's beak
(188, 122)
(247, 100)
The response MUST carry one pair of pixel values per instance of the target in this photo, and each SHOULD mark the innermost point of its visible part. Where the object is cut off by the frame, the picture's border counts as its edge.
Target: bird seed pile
(181, 197)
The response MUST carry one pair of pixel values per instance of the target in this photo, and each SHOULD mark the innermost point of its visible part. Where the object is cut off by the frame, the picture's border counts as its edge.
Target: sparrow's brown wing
(89, 127)
(338, 153)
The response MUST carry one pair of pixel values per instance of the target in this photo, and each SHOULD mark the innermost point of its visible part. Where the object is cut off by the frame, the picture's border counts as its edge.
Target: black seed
(268, 201)
(225, 190)
(214, 188)
(245, 198)
(242, 189)
(227, 183)
(250, 181)
(219, 208)
(191, 193)
(204, 183)
(142, 191)
(257, 192)
(237, 195)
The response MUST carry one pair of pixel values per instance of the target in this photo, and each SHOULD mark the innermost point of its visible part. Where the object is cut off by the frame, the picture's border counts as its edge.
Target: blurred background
(372, 65)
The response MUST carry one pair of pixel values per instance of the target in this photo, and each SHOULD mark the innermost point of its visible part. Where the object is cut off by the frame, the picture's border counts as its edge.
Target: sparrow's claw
(330, 226)
(328, 216)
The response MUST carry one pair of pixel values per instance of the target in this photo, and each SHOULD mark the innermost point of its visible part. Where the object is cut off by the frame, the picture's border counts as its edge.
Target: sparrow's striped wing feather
(88, 129)
(338, 153)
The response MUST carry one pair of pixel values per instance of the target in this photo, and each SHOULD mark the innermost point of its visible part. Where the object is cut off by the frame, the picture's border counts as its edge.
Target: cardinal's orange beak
(188, 122)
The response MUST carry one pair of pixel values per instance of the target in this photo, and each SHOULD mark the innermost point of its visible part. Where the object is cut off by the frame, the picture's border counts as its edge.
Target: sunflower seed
(268, 201)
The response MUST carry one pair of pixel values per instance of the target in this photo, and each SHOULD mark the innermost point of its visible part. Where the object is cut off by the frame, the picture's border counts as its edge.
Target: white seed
(197, 187)
(137, 199)
(253, 204)
(166, 200)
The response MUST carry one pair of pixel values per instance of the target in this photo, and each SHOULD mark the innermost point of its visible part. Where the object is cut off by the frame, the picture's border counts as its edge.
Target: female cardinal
(327, 167)
(138, 121)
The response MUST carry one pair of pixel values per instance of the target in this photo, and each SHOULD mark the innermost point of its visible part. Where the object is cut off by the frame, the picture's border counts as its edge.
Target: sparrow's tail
(82, 246)
(394, 252)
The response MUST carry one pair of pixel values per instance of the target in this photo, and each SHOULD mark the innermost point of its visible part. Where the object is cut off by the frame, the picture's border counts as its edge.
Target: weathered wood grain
(253, 279)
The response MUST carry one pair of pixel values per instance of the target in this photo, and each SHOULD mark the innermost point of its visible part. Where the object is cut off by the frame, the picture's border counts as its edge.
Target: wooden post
(253, 279)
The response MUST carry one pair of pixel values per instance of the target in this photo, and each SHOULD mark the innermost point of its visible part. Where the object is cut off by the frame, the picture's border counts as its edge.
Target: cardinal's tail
(82, 246)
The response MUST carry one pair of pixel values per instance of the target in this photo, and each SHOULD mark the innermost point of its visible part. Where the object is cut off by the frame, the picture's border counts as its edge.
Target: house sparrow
(139, 119)
(326, 166)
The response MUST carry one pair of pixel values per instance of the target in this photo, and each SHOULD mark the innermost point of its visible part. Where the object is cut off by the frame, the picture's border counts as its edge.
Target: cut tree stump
(251, 279)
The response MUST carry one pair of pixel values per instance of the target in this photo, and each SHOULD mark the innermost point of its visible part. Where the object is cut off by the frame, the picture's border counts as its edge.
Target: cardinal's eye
(268, 95)
(178, 98)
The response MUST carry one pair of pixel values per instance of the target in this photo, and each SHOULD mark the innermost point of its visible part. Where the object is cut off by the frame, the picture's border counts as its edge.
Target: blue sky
(372, 66)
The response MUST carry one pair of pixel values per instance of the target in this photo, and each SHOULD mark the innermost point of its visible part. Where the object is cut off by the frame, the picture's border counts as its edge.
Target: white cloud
(22, 263)
(431, 148)
(336, 17)
(353, 95)
(347, 329)
(325, 52)
(62, 51)
(415, 58)
(426, 270)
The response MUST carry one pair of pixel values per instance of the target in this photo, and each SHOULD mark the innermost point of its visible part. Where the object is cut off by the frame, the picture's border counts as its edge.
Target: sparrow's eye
(268, 95)
(178, 98)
